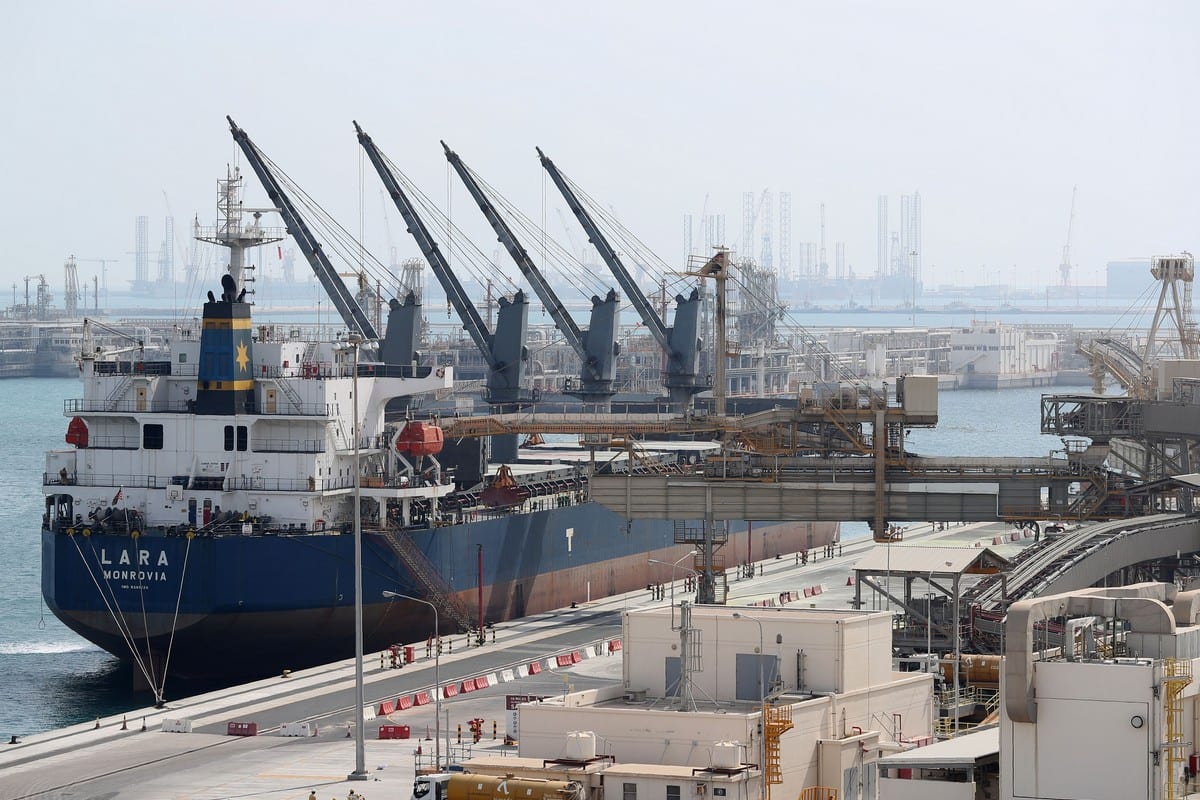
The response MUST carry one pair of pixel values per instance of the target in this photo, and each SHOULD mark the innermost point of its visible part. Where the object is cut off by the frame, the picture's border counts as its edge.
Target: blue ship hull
(235, 606)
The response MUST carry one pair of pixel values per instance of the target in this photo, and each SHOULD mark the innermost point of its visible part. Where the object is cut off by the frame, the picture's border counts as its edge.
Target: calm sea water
(51, 677)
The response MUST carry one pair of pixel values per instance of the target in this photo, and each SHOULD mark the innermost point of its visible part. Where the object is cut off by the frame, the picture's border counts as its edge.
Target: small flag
(117, 497)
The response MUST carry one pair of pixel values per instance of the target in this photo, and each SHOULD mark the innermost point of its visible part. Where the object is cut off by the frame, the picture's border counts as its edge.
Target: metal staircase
(118, 393)
(1177, 674)
(290, 393)
(777, 720)
(716, 534)
(430, 581)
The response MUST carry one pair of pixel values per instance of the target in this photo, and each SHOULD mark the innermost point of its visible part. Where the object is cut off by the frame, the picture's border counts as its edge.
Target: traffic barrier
(449, 690)
(1014, 537)
(576, 657)
(369, 712)
(808, 592)
(535, 667)
(614, 646)
(387, 707)
(979, 544)
(818, 589)
(404, 702)
(298, 729)
(242, 729)
(564, 661)
(176, 726)
(467, 686)
(492, 679)
(506, 675)
(421, 699)
(850, 580)
(394, 731)
(482, 682)
(995, 540)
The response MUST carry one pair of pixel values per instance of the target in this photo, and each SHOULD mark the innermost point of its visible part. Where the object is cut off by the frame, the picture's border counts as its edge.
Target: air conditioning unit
(635, 695)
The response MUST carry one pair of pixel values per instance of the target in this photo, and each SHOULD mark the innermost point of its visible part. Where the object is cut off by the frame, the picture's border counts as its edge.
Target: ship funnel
(225, 380)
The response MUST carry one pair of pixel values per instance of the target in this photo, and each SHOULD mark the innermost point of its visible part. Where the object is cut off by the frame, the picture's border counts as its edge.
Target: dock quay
(132, 756)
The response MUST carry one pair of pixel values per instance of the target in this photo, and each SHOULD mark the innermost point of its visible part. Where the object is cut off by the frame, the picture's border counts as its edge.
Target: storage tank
(467, 786)
(581, 746)
(726, 755)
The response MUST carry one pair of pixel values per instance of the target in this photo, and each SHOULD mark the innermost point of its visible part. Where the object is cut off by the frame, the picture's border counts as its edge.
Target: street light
(437, 676)
(762, 702)
(360, 753)
(673, 567)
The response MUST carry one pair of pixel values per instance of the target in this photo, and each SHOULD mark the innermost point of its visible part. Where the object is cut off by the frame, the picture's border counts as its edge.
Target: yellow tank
(974, 670)
(471, 786)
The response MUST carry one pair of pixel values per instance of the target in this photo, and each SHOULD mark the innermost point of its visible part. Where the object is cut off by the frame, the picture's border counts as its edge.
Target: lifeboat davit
(420, 439)
(77, 433)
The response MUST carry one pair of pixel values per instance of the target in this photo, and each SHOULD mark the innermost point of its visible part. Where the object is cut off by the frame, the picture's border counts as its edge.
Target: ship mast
(231, 232)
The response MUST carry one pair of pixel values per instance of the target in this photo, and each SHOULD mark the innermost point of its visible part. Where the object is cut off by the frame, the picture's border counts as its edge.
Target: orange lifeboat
(420, 439)
(77, 433)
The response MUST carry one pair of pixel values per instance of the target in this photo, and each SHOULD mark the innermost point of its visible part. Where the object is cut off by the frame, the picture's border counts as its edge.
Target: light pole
(360, 754)
(762, 703)
(673, 567)
(437, 676)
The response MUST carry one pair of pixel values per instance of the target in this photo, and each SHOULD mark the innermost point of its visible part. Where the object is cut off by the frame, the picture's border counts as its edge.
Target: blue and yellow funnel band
(226, 324)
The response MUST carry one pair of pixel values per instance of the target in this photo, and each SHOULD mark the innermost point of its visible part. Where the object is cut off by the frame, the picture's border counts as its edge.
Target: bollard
(493, 729)
(97, 727)
(143, 723)
(460, 733)
(124, 723)
(493, 635)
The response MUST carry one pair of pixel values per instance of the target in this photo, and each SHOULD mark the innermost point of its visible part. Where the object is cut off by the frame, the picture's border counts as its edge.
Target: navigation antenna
(690, 656)
(231, 232)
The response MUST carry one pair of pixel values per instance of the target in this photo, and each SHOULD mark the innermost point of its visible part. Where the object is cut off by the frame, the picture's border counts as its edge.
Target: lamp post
(437, 676)
(673, 567)
(360, 756)
(762, 703)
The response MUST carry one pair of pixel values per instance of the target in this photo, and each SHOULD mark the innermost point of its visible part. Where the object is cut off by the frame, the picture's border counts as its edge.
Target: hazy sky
(991, 111)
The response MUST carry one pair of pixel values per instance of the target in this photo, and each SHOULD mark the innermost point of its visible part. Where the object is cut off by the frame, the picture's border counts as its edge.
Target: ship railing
(113, 481)
(287, 445)
(152, 406)
(114, 442)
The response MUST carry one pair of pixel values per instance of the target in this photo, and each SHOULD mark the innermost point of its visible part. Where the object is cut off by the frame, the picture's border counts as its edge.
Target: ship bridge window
(152, 436)
(672, 792)
(628, 791)
(241, 437)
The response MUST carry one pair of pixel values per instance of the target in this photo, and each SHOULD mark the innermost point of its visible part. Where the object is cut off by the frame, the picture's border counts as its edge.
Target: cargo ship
(200, 521)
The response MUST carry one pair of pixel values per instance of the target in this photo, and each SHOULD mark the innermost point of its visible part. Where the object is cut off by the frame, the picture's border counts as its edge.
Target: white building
(990, 354)
(1105, 715)
(694, 726)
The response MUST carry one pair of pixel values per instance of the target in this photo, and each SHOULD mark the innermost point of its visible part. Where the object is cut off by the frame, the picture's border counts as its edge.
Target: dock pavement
(131, 757)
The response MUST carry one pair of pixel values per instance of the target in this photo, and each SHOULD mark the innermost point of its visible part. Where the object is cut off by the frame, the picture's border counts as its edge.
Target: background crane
(1064, 268)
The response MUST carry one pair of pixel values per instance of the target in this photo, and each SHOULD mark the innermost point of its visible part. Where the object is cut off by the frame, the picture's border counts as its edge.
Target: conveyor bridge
(915, 489)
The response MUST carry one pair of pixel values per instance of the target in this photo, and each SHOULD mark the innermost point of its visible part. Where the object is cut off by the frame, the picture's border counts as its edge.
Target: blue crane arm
(646, 311)
(558, 313)
(472, 322)
(349, 309)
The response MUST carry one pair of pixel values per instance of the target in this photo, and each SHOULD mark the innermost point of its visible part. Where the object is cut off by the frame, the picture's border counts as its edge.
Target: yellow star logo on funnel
(242, 358)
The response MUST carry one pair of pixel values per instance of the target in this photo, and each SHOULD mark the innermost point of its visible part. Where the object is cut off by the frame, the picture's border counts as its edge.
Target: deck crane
(597, 346)
(352, 314)
(681, 342)
(399, 346)
(504, 350)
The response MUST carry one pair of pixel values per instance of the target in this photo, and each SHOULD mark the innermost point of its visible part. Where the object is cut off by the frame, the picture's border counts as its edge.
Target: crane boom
(681, 342)
(504, 351)
(646, 311)
(596, 347)
(553, 305)
(352, 314)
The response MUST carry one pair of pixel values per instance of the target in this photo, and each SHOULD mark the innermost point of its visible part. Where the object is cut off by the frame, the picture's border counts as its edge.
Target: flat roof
(961, 751)
(913, 558)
